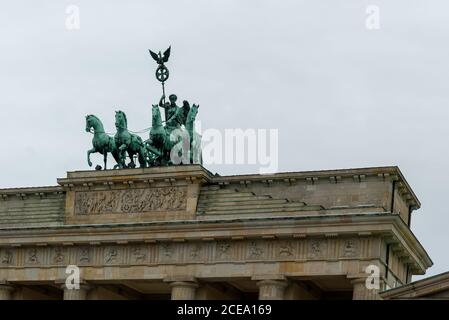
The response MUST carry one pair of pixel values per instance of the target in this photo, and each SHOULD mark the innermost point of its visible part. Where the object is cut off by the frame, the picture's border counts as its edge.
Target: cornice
(166, 175)
(23, 193)
(421, 287)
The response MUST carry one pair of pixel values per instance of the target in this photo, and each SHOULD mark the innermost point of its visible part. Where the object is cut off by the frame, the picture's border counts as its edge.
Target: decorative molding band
(215, 251)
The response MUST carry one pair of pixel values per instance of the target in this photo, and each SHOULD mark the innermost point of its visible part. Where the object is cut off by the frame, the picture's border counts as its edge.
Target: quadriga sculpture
(178, 135)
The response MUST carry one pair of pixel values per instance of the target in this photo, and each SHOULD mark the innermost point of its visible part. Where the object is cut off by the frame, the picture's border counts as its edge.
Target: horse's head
(120, 120)
(90, 122)
(193, 112)
(156, 116)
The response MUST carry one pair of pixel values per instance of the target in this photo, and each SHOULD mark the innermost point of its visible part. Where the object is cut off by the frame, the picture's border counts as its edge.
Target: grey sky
(342, 96)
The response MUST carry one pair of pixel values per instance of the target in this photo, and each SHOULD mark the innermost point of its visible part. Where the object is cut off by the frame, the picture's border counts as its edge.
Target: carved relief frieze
(223, 250)
(168, 252)
(33, 256)
(83, 255)
(350, 248)
(6, 257)
(195, 252)
(182, 252)
(58, 256)
(130, 200)
(138, 254)
(256, 249)
(286, 249)
(112, 255)
(317, 248)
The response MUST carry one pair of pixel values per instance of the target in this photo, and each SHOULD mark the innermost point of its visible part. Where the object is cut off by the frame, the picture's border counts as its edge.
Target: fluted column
(6, 292)
(183, 290)
(362, 292)
(271, 289)
(76, 294)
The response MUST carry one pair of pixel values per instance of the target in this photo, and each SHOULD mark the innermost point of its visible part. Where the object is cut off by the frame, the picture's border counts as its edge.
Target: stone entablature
(236, 241)
(156, 223)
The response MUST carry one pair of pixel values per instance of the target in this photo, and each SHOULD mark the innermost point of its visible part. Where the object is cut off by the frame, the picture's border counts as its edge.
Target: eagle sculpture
(159, 58)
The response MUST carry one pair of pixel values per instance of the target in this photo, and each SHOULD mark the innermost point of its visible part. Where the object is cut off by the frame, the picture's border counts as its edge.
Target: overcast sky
(341, 95)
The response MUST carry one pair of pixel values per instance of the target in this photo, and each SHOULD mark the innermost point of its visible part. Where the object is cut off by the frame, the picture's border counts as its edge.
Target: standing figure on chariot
(169, 107)
(175, 116)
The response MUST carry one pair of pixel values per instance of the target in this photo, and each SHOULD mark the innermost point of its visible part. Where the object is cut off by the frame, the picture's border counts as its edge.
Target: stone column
(76, 294)
(183, 290)
(361, 292)
(271, 289)
(6, 292)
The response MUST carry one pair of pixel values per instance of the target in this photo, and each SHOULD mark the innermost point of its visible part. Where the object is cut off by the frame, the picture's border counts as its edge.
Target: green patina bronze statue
(127, 142)
(169, 107)
(195, 154)
(102, 143)
(178, 131)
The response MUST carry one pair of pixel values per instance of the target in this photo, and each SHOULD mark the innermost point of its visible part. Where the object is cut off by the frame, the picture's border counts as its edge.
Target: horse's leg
(131, 163)
(105, 155)
(116, 158)
(122, 156)
(142, 159)
(130, 155)
(93, 150)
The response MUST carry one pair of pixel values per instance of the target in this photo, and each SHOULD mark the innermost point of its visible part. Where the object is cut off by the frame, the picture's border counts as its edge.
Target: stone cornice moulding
(23, 193)
(170, 175)
(419, 288)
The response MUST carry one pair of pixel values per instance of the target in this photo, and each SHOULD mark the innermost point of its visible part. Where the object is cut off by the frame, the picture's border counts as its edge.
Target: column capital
(363, 279)
(187, 284)
(259, 277)
(180, 278)
(75, 294)
(271, 282)
(271, 289)
(358, 280)
(83, 285)
(182, 287)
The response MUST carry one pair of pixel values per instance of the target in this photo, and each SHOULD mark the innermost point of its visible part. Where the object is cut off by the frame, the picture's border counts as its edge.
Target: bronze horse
(101, 142)
(127, 142)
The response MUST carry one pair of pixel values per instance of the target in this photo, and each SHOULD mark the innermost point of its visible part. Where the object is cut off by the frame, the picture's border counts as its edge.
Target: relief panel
(130, 200)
